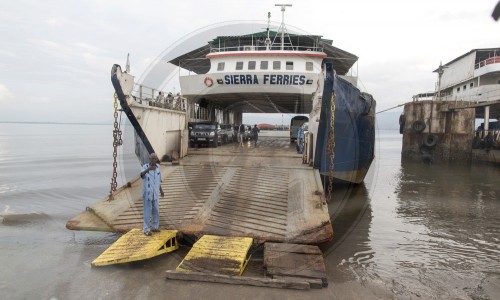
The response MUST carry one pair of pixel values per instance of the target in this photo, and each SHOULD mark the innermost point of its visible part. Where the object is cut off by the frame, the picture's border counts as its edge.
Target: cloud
(66, 52)
(88, 48)
(56, 21)
(51, 46)
(5, 94)
(9, 54)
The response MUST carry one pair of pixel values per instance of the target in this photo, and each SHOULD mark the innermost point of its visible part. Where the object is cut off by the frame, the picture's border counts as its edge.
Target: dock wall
(434, 133)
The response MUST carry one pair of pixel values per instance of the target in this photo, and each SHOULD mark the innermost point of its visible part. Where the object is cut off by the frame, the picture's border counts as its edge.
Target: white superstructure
(263, 72)
(257, 72)
(473, 76)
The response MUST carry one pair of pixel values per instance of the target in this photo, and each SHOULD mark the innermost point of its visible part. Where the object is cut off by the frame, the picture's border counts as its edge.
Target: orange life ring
(208, 81)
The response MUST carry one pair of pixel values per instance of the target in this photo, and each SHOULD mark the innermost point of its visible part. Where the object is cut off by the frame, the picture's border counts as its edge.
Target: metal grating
(186, 190)
(255, 199)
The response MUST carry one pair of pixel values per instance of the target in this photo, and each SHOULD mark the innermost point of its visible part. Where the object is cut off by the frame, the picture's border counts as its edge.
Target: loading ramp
(218, 255)
(135, 246)
(263, 192)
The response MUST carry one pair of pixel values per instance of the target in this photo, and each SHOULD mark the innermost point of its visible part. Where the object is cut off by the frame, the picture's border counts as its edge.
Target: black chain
(331, 146)
(117, 141)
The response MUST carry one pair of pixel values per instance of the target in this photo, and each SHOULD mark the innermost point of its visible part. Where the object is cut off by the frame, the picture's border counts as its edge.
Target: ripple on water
(28, 219)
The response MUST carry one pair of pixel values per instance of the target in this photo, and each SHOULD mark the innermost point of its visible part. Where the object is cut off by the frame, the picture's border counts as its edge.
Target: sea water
(410, 231)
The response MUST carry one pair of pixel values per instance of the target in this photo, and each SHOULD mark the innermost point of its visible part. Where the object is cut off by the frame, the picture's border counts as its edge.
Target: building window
(471, 84)
(458, 89)
(251, 65)
(465, 87)
(220, 66)
(276, 65)
(239, 65)
(289, 65)
(309, 66)
(263, 65)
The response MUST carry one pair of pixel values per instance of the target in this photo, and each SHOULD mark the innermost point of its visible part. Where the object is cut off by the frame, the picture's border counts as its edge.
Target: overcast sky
(56, 56)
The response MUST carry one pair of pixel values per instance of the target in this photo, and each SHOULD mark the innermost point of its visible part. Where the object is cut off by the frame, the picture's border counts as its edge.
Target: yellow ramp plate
(134, 245)
(218, 254)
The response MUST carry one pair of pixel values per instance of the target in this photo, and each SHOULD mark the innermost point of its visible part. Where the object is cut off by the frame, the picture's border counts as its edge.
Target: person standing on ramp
(151, 189)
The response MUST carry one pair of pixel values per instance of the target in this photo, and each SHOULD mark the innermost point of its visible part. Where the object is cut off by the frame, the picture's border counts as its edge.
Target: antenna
(268, 40)
(127, 66)
(283, 22)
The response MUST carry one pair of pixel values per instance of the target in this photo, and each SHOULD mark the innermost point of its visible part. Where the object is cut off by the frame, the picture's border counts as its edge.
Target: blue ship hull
(354, 130)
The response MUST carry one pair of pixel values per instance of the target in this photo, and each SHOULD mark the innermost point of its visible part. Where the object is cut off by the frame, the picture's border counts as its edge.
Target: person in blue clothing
(300, 137)
(151, 189)
(255, 133)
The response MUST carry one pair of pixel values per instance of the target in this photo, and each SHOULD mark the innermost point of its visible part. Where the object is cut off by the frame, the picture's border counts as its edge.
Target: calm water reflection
(412, 230)
(428, 231)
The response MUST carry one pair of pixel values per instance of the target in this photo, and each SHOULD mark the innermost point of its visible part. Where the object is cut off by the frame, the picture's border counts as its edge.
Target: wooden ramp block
(217, 255)
(240, 280)
(294, 260)
(134, 246)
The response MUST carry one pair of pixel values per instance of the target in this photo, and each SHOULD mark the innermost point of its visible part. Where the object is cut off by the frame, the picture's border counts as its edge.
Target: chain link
(331, 145)
(117, 141)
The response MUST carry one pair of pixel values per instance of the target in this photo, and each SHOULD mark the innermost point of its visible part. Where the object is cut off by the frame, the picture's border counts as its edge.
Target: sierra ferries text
(277, 79)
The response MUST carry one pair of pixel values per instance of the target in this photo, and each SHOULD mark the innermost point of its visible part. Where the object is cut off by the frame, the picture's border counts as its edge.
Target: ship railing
(488, 61)
(265, 48)
(443, 96)
(424, 96)
(495, 132)
(199, 113)
(486, 139)
(157, 98)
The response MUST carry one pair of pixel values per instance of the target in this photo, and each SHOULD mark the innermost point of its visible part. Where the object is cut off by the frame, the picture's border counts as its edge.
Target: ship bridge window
(239, 65)
(276, 65)
(251, 65)
(220, 66)
(264, 65)
(289, 65)
(309, 66)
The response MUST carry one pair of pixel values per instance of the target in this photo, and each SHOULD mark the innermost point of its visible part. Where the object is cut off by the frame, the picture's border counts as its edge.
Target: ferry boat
(267, 191)
(263, 72)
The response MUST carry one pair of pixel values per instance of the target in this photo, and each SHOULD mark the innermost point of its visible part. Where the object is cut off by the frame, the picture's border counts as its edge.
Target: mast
(268, 40)
(440, 72)
(283, 23)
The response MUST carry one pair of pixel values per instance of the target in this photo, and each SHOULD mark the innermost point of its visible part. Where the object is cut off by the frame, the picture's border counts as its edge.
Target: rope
(390, 108)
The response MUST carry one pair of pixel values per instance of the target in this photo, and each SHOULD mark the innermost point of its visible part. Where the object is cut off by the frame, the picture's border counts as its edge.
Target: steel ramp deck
(134, 246)
(264, 192)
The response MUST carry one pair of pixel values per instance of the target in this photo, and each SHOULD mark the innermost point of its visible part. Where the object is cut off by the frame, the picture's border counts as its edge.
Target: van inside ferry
(295, 124)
